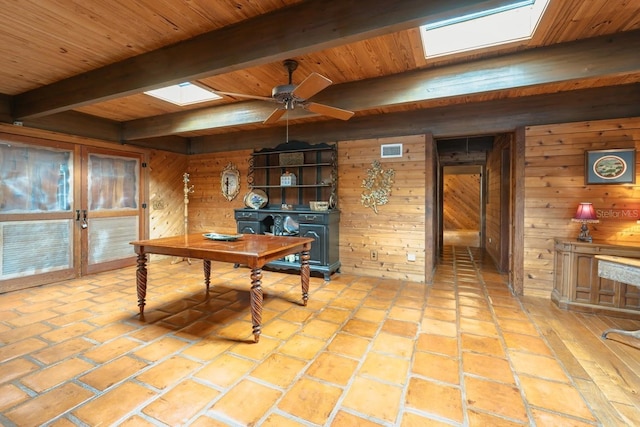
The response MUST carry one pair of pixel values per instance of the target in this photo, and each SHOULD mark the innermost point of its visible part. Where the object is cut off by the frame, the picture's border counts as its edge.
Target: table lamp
(585, 213)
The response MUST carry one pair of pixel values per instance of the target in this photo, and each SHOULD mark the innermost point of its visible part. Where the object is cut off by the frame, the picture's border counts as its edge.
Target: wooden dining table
(253, 250)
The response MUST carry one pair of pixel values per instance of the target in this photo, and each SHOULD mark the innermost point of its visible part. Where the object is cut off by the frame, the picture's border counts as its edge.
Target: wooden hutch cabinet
(577, 285)
(292, 175)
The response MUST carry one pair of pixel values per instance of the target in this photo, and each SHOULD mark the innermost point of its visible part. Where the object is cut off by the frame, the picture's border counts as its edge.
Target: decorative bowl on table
(222, 237)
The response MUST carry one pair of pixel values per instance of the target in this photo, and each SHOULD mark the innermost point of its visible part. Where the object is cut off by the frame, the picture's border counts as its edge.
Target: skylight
(493, 27)
(184, 94)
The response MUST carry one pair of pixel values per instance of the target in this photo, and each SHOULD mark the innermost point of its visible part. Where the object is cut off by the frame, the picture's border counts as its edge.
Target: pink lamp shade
(585, 213)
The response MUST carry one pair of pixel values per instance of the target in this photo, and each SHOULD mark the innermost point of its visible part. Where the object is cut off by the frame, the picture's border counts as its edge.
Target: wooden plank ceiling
(63, 61)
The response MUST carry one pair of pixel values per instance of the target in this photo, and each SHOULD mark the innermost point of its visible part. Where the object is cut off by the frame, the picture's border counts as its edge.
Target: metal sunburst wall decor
(377, 186)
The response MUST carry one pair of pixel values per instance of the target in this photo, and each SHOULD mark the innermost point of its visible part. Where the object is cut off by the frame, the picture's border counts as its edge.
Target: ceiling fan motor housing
(283, 94)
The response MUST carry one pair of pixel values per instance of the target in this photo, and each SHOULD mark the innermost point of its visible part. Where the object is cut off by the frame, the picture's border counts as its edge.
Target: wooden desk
(621, 269)
(254, 250)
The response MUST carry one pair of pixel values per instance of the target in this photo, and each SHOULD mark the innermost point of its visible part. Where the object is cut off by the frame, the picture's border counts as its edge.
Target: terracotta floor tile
(538, 366)
(478, 313)
(69, 348)
(111, 350)
(319, 329)
(112, 372)
(49, 405)
(445, 314)
(518, 326)
(361, 328)
(207, 349)
(56, 374)
(410, 419)
(20, 348)
(480, 419)
(490, 367)
(527, 343)
(276, 420)
(387, 368)
(544, 418)
(500, 399)
(333, 368)
(349, 345)
(225, 370)
(160, 349)
(279, 370)
(482, 344)
(438, 344)
(400, 327)
(370, 314)
(436, 367)
(436, 399)
(373, 399)
(137, 421)
(256, 351)
(11, 395)
(302, 347)
(557, 397)
(181, 403)
(345, 419)
(439, 327)
(311, 400)
(478, 327)
(335, 315)
(246, 403)
(168, 372)
(449, 302)
(393, 344)
(16, 368)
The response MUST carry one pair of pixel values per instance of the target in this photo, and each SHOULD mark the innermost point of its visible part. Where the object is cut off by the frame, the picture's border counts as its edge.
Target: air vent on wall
(390, 150)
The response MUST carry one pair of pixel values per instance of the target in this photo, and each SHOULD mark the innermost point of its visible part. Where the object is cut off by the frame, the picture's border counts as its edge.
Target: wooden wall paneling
(166, 207)
(461, 209)
(432, 223)
(493, 234)
(399, 226)
(209, 210)
(554, 182)
(516, 265)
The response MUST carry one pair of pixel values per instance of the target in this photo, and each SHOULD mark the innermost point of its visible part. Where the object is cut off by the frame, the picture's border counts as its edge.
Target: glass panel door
(36, 216)
(111, 215)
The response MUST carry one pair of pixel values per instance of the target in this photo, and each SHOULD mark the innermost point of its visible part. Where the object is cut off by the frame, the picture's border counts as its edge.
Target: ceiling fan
(289, 96)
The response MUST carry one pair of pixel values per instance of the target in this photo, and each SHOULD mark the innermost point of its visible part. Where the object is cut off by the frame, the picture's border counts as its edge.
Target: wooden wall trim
(517, 233)
(431, 239)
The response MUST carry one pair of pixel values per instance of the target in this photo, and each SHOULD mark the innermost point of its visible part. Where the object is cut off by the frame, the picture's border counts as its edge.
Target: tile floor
(364, 352)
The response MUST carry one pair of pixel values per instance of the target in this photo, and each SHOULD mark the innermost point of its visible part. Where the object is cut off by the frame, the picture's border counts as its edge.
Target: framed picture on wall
(610, 166)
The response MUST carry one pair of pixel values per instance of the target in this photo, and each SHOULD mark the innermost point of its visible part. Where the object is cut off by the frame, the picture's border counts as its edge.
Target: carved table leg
(256, 302)
(304, 274)
(206, 264)
(141, 280)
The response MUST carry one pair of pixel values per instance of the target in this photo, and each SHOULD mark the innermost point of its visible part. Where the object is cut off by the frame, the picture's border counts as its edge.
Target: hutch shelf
(292, 175)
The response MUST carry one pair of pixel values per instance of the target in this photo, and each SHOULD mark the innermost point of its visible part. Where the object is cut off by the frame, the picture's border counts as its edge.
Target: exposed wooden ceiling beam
(593, 58)
(309, 26)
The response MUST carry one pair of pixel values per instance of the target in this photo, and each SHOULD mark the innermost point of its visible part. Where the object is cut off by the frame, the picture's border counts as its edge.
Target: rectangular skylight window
(493, 27)
(184, 94)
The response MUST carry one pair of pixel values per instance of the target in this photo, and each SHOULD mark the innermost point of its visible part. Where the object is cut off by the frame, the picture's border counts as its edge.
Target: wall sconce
(585, 213)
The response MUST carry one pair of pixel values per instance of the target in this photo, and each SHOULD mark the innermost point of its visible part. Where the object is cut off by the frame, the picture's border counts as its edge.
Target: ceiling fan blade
(275, 116)
(313, 84)
(326, 110)
(242, 95)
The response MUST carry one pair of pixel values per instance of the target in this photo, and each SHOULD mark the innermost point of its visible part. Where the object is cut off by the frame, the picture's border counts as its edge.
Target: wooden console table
(625, 270)
(577, 285)
(252, 250)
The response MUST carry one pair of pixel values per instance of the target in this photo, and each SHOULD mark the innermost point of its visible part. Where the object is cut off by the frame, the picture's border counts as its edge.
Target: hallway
(364, 352)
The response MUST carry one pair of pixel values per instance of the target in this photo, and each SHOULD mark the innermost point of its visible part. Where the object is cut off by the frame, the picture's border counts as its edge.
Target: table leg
(304, 274)
(206, 264)
(256, 302)
(141, 280)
